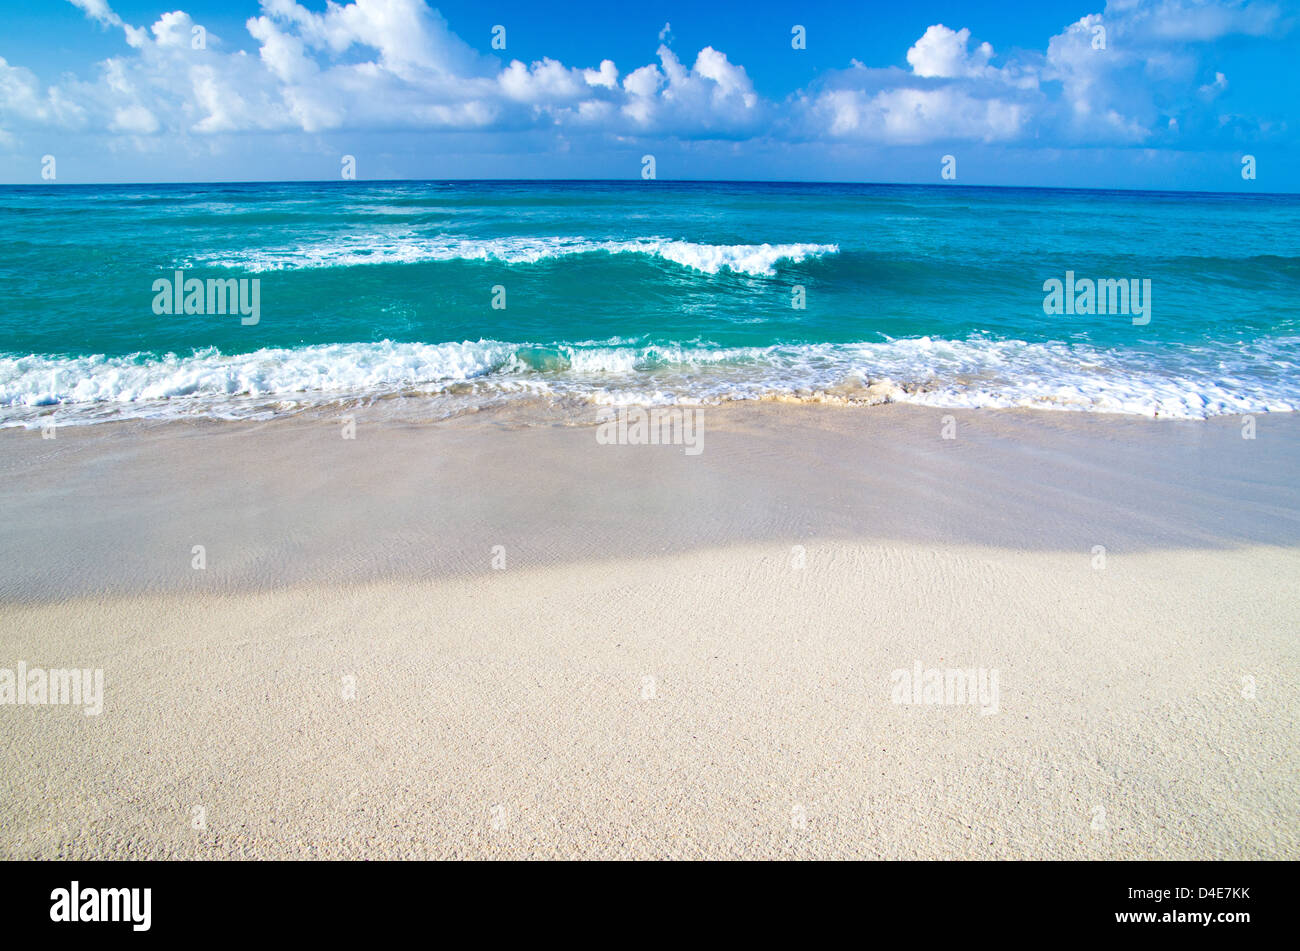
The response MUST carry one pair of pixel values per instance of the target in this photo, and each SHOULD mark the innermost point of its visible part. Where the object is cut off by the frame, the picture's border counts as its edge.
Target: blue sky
(1129, 93)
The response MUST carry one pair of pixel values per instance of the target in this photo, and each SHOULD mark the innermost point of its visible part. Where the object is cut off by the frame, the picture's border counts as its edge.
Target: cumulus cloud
(373, 65)
(942, 52)
(606, 76)
(713, 95)
(909, 116)
(379, 65)
(1126, 76)
(101, 12)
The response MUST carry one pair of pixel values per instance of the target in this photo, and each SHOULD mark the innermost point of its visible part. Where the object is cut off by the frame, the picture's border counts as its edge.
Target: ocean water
(456, 296)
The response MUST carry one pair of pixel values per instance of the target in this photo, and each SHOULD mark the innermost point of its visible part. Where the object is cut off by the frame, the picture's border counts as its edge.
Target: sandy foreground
(683, 656)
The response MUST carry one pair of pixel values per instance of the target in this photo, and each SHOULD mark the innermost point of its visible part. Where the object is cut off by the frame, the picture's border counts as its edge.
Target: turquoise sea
(461, 295)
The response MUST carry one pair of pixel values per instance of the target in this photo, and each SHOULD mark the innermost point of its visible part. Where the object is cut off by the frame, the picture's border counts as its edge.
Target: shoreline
(280, 502)
(566, 409)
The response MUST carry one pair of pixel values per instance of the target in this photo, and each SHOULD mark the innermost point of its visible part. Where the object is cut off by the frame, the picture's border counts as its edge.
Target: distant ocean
(464, 295)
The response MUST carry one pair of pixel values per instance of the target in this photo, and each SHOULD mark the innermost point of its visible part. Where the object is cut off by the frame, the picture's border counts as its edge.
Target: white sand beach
(683, 656)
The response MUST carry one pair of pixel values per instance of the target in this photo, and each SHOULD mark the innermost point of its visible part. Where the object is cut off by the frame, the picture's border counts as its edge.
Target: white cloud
(713, 95)
(101, 12)
(134, 119)
(1211, 90)
(1112, 78)
(383, 65)
(909, 116)
(409, 36)
(606, 76)
(644, 82)
(1198, 21)
(942, 52)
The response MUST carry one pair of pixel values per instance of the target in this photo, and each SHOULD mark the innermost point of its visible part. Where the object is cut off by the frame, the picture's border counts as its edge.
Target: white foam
(979, 372)
(328, 370)
(407, 248)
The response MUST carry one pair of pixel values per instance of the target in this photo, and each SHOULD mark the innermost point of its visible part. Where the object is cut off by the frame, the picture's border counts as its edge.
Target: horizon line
(640, 182)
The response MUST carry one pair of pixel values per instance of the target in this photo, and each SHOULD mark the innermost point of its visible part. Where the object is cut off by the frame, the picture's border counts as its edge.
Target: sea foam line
(758, 260)
(976, 372)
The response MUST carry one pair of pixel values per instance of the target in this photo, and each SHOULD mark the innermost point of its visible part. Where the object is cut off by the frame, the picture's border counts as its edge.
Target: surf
(755, 260)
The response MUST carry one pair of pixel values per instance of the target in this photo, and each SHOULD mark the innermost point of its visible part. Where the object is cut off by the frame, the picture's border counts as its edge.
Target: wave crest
(758, 260)
(975, 372)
